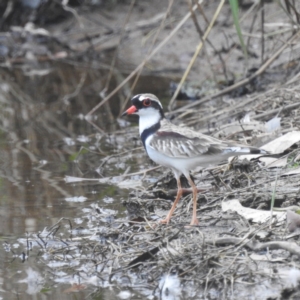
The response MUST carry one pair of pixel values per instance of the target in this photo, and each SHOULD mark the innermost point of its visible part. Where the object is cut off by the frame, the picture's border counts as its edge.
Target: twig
(240, 83)
(200, 32)
(262, 14)
(273, 200)
(257, 246)
(276, 110)
(114, 59)
(198, 49)
(68, 179)
(149, 51)
(141, 65)
(79, 86)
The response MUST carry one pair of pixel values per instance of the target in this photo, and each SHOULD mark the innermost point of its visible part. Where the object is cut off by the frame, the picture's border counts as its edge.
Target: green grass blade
(234, 5)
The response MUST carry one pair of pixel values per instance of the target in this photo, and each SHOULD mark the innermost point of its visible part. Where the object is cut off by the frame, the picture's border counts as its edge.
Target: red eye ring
(147, 102)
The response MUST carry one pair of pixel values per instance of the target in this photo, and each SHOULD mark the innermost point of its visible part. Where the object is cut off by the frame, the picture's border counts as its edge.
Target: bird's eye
(147, 102)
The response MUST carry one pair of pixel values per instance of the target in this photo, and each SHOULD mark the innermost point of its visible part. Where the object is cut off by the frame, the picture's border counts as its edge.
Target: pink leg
(178, 196)
(194, 220)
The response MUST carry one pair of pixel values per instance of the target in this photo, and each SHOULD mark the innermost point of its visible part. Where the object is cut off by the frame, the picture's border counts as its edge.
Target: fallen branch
(257, 246)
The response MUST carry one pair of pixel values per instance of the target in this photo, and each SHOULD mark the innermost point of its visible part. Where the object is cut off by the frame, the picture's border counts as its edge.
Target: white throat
(148, 117)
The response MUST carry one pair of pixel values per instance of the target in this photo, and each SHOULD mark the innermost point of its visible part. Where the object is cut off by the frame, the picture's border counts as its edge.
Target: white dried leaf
(273, 124)
(283, 142)
(255, 215)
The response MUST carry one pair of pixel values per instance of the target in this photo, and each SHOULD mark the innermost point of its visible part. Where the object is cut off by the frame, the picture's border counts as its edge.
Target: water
(44, 138)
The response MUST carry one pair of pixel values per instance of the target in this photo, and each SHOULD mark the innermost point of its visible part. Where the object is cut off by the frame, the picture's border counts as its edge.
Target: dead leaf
(277, 163)
(255, 215)
(273, 124)
(282, 143)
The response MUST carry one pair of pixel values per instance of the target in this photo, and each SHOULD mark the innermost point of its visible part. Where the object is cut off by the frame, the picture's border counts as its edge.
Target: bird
(179, 148)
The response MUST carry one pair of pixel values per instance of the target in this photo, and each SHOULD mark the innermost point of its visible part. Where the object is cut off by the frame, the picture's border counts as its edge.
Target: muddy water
(44, 138)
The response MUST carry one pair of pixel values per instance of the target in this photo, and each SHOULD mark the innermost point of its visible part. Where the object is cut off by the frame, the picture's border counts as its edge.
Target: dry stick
(141, 65)
(150, 48)
(288, 11)
(251, 26)
(207, 281)
(114, 59)
(257, 246)
(200, 32)
(292, 80)
(79, 86)
(249, 11)
(112, 66)
(262, 2)
(65, 6)
(257, 117)
(276, 110)
(273, 199)
(198, 49)
(221, 112)
(202, 12)
(242, 82)
(106, 178)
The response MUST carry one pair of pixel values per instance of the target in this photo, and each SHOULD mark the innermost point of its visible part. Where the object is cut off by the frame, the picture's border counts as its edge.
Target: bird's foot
(164, 221)
(194, 222)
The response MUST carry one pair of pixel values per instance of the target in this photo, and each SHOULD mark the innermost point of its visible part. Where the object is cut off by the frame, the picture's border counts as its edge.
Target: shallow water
(44, 138)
